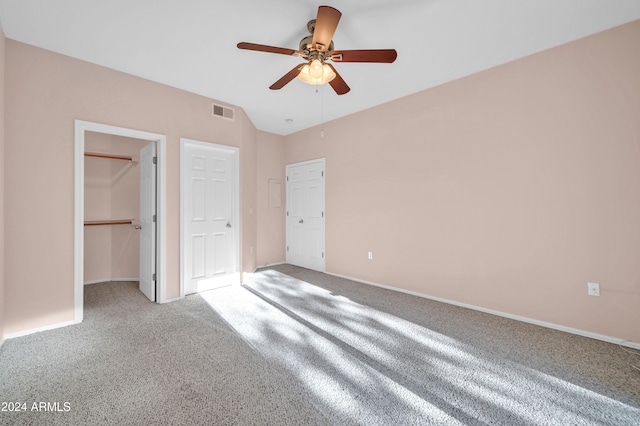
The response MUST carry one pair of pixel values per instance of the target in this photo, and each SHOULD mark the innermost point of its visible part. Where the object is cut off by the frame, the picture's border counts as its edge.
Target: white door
(148, 221)
(209, 215)
(305, 214)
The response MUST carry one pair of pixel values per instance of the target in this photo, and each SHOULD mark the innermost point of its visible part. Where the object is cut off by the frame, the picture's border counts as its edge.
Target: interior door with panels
(208, 186)
(306, 214)
(148, 220)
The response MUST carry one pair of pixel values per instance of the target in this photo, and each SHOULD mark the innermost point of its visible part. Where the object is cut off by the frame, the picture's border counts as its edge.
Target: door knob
(301, 221)
(228, 225)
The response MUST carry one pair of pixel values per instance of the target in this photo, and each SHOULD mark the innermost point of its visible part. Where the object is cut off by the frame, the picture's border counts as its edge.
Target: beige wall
(508, 190)
(248, 205)
(45, 93)
(112, 191)
(271, 199)
(2, 184)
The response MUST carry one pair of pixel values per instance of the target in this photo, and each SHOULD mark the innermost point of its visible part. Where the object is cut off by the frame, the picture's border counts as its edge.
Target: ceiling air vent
(222, 111)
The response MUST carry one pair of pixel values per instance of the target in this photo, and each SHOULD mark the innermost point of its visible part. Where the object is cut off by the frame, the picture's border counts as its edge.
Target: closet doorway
(119, 209)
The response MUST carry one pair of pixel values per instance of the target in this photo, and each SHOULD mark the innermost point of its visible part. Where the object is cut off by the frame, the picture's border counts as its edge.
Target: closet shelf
(109, 222)
(111, 156)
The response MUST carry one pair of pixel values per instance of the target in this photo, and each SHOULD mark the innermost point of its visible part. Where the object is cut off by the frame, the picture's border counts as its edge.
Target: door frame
(78, 247)
(183, 201)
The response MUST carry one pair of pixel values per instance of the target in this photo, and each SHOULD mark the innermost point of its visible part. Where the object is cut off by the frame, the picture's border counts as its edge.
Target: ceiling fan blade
(338, 83)
(287, 77)
(377, 55)
(326, 24)
(268, 49)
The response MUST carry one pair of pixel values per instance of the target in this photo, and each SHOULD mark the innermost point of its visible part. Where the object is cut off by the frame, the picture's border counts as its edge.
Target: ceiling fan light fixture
(315, 69)
(316, 72)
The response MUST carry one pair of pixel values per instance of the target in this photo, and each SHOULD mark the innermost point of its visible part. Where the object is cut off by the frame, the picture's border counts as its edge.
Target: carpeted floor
(296, 347)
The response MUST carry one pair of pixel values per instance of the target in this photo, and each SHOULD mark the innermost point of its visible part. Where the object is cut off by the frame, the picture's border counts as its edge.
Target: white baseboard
(2, 343)
(245, 277)
(268, 265)
(106, 280)
(609, 339)
(39, 329)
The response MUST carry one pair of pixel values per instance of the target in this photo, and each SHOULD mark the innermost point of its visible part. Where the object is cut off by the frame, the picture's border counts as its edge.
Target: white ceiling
(191, 44)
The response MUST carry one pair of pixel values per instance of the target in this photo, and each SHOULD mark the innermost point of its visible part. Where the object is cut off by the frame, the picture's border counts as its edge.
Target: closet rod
(108, 222)
(112, 156)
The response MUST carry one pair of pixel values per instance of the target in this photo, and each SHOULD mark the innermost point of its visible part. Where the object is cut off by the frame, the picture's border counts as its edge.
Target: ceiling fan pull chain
(321, 114)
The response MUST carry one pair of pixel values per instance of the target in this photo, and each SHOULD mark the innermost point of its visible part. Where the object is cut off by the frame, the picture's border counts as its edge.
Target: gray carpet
(294, 346)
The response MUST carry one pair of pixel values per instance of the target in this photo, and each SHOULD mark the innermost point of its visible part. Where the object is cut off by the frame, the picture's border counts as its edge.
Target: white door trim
(183, 201)
(78, 223)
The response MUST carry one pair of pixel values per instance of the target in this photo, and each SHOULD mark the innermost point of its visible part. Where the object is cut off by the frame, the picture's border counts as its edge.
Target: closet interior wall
(111, 192)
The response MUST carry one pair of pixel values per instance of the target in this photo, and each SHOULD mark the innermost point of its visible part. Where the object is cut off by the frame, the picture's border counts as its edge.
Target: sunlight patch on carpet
(369, 365)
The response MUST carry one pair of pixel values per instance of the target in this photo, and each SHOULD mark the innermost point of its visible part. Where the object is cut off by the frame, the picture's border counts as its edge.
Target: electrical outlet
(370, 255)
(593, 289)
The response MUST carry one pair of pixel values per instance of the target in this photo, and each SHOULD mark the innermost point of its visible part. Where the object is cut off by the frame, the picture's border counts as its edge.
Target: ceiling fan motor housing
(307, 43)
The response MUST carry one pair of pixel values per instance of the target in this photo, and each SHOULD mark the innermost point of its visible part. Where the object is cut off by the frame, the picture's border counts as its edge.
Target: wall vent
(222, 111)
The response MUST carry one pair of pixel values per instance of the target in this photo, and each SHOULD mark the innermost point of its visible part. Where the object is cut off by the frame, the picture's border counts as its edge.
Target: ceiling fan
(317, 48)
